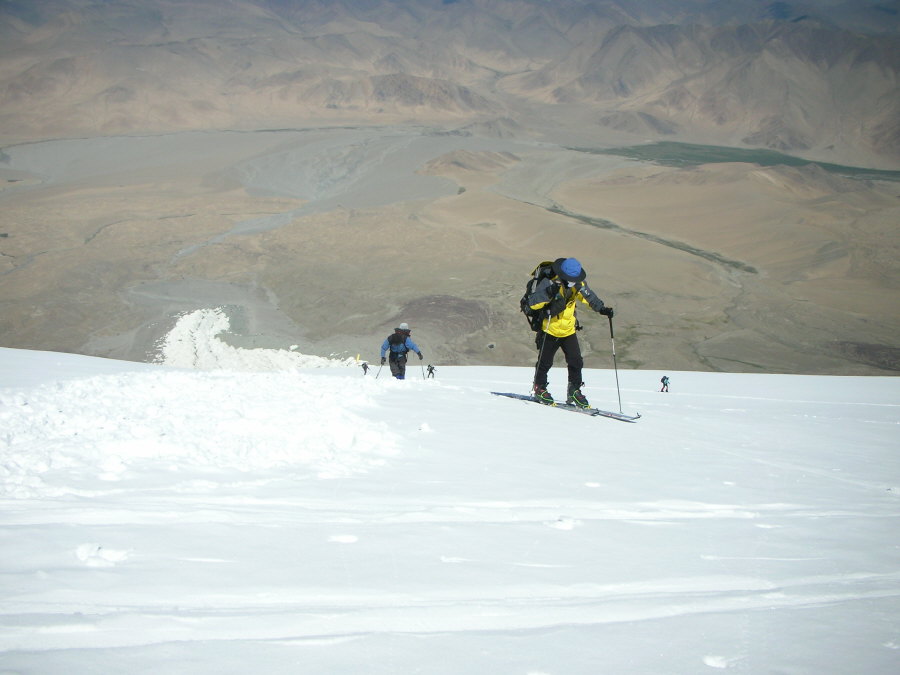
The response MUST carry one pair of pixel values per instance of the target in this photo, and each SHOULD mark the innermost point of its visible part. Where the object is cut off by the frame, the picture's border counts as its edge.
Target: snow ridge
(195, 342)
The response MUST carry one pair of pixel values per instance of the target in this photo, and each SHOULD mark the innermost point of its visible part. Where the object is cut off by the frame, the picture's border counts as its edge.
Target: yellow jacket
(550, 295)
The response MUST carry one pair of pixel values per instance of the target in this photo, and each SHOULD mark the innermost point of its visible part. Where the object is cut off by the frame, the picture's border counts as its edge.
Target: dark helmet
(569, 269)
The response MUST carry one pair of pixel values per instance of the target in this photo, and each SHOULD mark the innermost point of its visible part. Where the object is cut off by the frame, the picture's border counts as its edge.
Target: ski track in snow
(265, 498)
(318, 612)
(214, 511)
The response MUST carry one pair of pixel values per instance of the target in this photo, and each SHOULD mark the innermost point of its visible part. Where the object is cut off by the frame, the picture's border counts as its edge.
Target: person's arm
(593, 300)
(414, 347)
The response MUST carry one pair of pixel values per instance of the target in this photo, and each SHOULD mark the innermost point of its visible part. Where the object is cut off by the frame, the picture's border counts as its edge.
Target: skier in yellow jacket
(556, 297)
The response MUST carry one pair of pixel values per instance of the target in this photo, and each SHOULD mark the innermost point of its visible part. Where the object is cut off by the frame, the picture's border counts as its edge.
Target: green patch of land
(669, 153)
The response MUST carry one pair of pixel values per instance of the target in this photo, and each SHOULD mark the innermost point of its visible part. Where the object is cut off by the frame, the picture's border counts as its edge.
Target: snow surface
(256, 511)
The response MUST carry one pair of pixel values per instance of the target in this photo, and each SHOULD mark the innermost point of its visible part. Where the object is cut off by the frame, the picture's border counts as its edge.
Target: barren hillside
(813, 79)
(325, 169)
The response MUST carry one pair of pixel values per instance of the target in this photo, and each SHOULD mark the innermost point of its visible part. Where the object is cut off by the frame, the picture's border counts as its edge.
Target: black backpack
(398, 339)
(535, 318)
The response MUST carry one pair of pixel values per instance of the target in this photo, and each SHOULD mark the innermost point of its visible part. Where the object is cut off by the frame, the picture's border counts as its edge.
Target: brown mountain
(412, 160)
(794, 87)
(779, 75)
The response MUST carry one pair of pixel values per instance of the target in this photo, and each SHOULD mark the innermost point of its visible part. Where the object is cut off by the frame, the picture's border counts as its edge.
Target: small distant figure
(430, 370)
(365, 367)
(665, 383)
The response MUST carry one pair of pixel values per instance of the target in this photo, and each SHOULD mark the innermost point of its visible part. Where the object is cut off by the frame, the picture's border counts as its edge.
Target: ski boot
(576, 398)
(543, 396)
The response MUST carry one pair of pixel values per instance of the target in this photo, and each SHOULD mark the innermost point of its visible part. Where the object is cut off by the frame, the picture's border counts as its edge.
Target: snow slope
(250, 511)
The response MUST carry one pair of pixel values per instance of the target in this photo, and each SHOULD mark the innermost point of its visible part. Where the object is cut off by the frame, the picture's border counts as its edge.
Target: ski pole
(615, 367)
(538, 364)
(379, 371)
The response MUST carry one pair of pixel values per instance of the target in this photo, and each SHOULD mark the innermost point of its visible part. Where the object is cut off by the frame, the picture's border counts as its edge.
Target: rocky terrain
(325, 170)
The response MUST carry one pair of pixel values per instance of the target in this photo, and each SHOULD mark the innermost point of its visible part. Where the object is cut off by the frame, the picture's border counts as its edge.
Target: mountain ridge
(800, 84)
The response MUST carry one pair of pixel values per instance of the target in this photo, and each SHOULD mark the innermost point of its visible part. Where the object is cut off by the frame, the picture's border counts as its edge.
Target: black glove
(383, 360)
(607, 311)
(420, 355)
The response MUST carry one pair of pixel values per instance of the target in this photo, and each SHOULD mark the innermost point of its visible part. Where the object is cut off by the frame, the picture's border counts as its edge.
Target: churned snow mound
(195, 342)
(112, 425)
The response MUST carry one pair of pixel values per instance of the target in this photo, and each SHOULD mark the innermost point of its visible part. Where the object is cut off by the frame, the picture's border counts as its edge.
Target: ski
(557, 405)
(592, 412)
(622, 417)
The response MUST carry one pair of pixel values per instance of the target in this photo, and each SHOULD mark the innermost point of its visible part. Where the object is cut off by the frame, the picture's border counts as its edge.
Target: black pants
(547, 347)
(398, 366)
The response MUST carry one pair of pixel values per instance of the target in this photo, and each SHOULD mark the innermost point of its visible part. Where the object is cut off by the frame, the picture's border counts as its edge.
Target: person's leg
(547, 346)
(395, 367)
(574, 361)
(401, 366)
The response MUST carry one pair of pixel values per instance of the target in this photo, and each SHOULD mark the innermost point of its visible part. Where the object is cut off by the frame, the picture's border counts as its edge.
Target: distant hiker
(665, 383)
(365, 367)
(430, 370)
(399, 343)
(554, 297)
